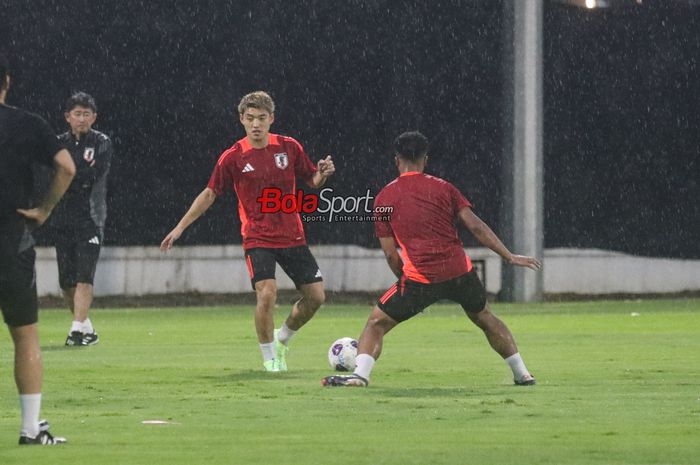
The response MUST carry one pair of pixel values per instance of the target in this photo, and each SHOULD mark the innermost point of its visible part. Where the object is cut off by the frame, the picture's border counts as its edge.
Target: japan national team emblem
(89, 154)
(281, 160)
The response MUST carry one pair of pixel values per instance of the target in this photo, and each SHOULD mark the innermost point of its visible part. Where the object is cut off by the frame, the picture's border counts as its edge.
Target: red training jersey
(248, 171)
(422, 222)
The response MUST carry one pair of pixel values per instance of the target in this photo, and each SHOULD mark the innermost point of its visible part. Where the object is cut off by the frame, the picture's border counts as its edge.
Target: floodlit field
(619, 383)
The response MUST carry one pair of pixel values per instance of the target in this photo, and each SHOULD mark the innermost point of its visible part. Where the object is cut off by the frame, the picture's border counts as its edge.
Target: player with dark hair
(432, 264)
(259, 161)
(25, 138)
(79, 219)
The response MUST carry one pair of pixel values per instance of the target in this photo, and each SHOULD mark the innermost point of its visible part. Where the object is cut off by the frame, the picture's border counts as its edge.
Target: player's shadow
(61, 348)
(426, 392)
(254, 375)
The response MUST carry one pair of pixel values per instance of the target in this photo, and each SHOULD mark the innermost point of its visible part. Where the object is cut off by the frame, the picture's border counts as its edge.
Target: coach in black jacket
(78, 220)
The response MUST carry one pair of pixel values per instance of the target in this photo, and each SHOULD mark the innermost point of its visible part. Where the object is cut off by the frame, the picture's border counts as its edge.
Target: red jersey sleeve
(221, 179)
(303, 166)
(382, 228)
(458, 200)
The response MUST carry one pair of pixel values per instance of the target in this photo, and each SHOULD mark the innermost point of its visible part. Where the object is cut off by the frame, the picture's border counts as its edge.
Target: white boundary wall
(134, 271)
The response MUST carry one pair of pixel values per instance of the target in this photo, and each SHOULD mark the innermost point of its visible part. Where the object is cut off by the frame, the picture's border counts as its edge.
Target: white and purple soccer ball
(342, 353)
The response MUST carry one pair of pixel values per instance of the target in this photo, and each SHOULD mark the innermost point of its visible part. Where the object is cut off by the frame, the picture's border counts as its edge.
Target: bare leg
(69, 298)
(372, 337)
(368, 351)
(497, 333)
(501, 340)
(312, 297)
(266, 293)
(81, 301)
(28, 376)
(28, 365)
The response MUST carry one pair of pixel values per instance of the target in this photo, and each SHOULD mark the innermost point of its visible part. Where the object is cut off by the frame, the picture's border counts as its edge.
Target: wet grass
(618, 384)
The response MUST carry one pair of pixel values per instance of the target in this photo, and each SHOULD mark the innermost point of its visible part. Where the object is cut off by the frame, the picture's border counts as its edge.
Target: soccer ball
(341, 355)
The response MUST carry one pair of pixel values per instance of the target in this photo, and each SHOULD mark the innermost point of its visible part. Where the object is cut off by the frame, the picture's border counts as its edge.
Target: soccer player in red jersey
(432, 264)
(266, 161)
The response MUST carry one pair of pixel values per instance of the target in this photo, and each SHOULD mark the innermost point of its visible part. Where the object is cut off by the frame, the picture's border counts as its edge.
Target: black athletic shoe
(345, 380)
(44, 438)
(526, 381)
(90, 339)
(74, 339)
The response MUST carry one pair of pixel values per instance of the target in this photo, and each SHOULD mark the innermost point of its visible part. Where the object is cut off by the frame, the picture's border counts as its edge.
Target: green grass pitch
(619, 383)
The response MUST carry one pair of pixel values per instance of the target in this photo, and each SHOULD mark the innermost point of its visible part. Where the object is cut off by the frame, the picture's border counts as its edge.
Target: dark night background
(621, 90)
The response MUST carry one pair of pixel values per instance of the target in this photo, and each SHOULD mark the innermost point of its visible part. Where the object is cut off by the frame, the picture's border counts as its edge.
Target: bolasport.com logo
(324, 206)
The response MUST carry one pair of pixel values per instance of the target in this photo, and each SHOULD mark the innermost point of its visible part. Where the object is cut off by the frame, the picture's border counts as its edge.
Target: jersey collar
(272, 139)
(409, 173)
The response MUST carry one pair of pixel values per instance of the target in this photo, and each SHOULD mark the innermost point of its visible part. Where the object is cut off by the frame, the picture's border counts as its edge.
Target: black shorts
(407, 298)
(296, 262)
(18, 289)
(77, 252)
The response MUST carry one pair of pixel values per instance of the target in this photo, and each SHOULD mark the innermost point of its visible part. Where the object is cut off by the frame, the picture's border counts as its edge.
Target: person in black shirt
(25, 139)
(78, 220)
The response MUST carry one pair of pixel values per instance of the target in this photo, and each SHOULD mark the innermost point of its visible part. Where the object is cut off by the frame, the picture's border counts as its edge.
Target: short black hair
(411, 145)
(4, 69)
(80, 99)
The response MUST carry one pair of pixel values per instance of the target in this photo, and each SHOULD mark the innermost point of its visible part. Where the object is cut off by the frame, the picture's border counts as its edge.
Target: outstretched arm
(488, 238)
(393, 258)
(65, 170)
(201, 204)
